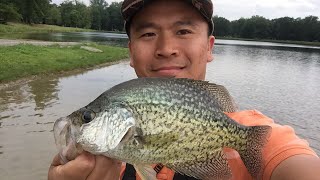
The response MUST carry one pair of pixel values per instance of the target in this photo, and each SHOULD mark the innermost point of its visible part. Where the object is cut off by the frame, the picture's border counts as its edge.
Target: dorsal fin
(224, 99)
(219, 92)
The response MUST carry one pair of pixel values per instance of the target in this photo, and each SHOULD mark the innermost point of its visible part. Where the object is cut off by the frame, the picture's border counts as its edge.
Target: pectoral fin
(145, 171)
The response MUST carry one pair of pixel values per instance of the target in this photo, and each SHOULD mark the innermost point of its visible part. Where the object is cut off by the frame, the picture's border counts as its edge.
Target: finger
(56, 160)
(105, 169)
(162, 176)
(79, 168)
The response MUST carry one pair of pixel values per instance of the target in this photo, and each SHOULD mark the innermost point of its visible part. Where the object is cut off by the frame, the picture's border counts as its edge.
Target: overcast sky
(235, 9)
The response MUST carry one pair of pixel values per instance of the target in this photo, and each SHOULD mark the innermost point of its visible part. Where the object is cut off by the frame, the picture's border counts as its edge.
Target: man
(171, 38)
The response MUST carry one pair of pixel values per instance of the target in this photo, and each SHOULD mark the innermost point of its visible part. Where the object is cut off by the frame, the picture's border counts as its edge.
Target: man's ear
(130, 52)
(210, 48)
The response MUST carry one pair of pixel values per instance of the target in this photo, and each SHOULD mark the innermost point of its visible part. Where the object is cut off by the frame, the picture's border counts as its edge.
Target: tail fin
(252, 154)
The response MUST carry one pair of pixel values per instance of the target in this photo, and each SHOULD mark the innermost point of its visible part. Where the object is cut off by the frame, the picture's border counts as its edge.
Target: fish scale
(177, 122)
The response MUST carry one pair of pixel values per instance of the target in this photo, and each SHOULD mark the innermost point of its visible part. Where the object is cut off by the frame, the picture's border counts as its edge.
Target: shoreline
(305, 43)
(20, 81)
(14, 42)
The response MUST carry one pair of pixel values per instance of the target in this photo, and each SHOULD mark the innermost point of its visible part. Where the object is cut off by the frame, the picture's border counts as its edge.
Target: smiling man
(172, 38)
(169, 39)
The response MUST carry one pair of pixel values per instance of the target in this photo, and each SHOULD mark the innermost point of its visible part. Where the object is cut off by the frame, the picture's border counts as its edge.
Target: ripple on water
(39, 131)
(4, 117)
(36, 115)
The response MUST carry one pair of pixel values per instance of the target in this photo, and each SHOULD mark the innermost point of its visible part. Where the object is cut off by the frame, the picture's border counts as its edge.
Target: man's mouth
(168, 71)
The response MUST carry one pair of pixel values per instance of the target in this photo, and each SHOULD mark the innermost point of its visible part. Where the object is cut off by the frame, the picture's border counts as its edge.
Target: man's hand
(85, 167)
(298, 167)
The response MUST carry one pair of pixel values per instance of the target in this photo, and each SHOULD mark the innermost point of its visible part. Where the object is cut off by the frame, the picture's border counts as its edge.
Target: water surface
(280, 81)
(122, 39)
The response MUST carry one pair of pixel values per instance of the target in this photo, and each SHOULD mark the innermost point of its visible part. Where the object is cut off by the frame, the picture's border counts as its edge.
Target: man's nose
(166, 47)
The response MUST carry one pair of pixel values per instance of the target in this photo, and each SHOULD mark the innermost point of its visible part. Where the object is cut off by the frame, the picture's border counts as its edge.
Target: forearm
(298, 167)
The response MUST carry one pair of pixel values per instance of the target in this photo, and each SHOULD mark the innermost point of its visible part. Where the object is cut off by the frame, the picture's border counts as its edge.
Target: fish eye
(88, 116)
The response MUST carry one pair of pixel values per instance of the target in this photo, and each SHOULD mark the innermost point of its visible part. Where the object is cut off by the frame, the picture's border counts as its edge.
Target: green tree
(54, 15)
(33, 11)
(116, 20)
(9, 12)
(261, 27)
(237, 27)
(311, 28)
(222, 26)
(284, 28)
(74, 18)
(83, 15)
(65, 8)
(105, 20)
(97, 13)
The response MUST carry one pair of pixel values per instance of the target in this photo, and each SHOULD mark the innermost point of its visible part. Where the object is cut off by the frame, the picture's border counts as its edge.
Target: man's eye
(147, 34)
(183, 32)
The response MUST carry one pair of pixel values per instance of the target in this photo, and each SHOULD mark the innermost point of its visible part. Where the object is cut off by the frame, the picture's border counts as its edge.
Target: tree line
(258, 27)
(100, 15)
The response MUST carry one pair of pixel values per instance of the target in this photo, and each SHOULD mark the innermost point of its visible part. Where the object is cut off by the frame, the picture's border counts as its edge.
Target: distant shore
(273, 41)
(21, 58)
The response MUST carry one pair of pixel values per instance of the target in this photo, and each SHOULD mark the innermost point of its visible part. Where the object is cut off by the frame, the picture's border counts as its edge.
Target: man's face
(169, 38)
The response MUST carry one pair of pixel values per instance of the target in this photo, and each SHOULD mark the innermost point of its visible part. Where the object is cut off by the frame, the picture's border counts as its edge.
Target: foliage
(9, 12)
(54, 15)
(98, 7)
(116, 20)
(106, 17)
(222, 26)
(258, 27)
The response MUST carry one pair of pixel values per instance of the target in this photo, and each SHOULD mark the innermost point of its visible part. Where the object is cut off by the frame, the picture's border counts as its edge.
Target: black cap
(131, 7)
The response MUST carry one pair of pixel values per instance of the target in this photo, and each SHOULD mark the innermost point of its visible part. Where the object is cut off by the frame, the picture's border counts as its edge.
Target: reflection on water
(28, 111)
(44, 91)
(283, 83)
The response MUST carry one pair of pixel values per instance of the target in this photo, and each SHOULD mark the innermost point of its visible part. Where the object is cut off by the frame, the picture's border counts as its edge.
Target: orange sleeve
(282, 143)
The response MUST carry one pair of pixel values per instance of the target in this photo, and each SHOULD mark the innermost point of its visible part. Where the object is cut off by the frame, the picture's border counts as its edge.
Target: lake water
(281, 81)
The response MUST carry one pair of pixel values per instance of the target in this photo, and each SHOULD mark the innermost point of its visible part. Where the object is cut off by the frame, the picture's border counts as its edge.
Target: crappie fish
(177, 122)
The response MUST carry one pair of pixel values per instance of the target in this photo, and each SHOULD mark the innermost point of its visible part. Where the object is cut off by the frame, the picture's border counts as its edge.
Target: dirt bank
(12, 42)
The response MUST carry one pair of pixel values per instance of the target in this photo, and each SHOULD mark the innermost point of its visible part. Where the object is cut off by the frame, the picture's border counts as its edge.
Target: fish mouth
(65, 140)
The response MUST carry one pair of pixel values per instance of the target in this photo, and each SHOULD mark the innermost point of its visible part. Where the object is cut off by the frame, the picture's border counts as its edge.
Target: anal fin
(145, 171)
(211, 166)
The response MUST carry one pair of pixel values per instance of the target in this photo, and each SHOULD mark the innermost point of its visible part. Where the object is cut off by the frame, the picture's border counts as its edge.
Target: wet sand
(13, 42)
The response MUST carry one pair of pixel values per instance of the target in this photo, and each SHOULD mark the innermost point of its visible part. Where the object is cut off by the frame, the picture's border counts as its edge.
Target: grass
(26, 60)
